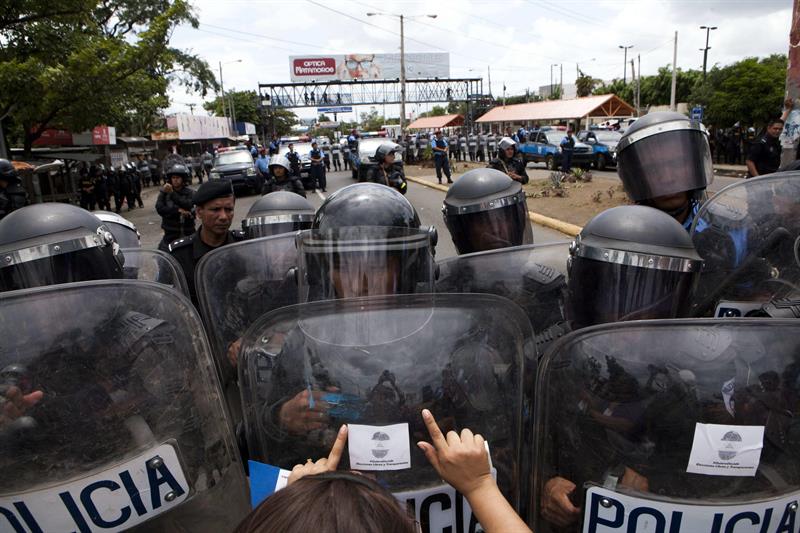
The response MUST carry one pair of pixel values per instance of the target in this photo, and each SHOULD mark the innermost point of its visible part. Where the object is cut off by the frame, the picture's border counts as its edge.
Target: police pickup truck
(237, 165)
(545, 146)
(604, 146)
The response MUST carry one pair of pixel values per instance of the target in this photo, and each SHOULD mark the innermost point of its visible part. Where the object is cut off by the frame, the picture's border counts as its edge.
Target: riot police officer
(355, 157)
(486, 210)
(120, 359)
(388, 170)
(214, 202)
(101, 187)
(336, 150)
(492, 144)
(317, 168)
(277, 212)
(664, 161)
(175, 206)
(508, 161)
(472, 146)
(326, 153)
(452, 142)
(281, 177)
(86, 186)
(481, 150)
(294, 161)
(12, 195)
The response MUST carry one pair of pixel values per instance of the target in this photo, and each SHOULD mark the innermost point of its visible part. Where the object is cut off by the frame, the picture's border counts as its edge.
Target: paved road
(427, 201)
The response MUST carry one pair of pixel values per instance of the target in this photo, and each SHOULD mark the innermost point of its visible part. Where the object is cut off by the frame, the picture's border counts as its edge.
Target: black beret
(211, 190)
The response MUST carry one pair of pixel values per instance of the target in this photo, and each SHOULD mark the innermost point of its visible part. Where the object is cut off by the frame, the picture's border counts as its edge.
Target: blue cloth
(440, 143)
(262, 164)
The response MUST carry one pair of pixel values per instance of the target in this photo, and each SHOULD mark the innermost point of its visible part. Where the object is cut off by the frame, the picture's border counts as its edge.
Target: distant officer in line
(12, 194)
(336, 149)
(441, 157)
(214, 202)
(472, 146)
(452, 144)
(294, 160)
(764, 156)
(462, 146)
(86, 188)
(346, 155)
(174, 204)
(317, 168)
(326, 153)
(481, 150)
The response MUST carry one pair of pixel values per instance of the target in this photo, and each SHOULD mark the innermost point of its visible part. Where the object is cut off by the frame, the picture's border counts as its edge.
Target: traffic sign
(697, 113)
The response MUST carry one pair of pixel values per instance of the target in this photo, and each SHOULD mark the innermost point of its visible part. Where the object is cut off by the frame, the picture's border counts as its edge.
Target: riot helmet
(385, 149)
(664, 154)
(280, 161)
(628, 263)
(278, 212)
(124, 231)
(506, 142)
(48, 244)
(7, 171)
(366, 240)
(486, 210)
(179, 170)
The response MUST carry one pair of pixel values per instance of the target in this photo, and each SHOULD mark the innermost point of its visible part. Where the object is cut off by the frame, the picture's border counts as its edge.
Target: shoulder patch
(180, 243)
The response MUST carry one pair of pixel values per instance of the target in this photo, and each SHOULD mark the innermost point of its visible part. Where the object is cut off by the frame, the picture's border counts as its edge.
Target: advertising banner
(196, 127)
(368, 66)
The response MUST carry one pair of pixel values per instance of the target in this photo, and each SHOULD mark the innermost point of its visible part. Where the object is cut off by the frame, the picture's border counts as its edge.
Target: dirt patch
(575, 203)
(456, 168)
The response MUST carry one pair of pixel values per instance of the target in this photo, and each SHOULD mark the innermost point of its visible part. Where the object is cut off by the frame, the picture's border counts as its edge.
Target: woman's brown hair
(335, 502)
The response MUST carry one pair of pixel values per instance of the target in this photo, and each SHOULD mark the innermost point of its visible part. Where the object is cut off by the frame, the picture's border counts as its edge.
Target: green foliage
(80, 63)
(585, 84)
(436, 111)
(245, 106)
(750, 91)
(371, 121)
(623, 90)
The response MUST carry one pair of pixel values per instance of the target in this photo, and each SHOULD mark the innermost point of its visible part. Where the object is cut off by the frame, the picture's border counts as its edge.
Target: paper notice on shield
(724, 450)
(379, 447)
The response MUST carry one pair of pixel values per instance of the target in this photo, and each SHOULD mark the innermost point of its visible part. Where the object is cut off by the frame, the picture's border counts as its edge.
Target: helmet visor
(364, 261)
(665, 164)
(267, 226)
(599, 292)
(83, 265)
(490, 230)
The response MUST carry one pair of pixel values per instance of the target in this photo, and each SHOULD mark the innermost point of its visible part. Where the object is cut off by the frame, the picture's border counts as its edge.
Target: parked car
(604, 145)
(545, 146)
(236, 164)
(303, 149)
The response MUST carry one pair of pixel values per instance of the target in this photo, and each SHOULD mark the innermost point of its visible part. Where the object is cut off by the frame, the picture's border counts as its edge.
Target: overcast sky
(520, 39)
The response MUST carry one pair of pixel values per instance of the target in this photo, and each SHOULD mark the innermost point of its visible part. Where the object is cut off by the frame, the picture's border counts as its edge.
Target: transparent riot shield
(375, 363)
(154, 265)
(237, 284)
(748, 235)
(671, 425)
(112, 415)
(531, 276)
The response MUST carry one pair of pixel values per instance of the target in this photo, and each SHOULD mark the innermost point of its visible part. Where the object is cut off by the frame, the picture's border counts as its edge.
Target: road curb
(553, 223)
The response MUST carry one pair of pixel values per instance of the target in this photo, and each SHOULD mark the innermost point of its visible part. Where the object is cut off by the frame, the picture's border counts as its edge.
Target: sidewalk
(733, 171)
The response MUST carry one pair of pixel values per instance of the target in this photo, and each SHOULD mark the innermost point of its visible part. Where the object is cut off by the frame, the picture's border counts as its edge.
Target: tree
(618, 87)
(749, 91)
(585, 84)
(436, 111)
(245, 106)
(80, 63)
(371, 121)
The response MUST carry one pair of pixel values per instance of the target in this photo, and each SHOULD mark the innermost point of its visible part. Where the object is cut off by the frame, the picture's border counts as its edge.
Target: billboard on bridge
(368, 66)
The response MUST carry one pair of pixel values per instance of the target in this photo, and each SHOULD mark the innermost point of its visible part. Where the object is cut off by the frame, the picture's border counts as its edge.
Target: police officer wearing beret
(214, 201)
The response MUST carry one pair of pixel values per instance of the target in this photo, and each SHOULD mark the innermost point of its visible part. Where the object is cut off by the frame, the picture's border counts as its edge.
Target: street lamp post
(625, 63)
(402, 64)
(550, 96)
(222, 90)
(707, 48)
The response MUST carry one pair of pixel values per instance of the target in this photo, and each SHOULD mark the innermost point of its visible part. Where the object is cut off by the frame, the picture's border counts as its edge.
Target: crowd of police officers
(343, 315)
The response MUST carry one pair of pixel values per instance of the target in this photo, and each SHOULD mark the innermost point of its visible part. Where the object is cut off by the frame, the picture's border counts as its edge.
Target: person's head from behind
(334, 502)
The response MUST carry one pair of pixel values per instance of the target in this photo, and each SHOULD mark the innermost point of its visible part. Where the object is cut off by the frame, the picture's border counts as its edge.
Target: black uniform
(294, 162)
(515, 165)
(12, 197)
(86, 187)
(317, 169)
(174, 225)
(766, 154)
(101, 191)
(393, 177)
(287, 183)
(189, 250)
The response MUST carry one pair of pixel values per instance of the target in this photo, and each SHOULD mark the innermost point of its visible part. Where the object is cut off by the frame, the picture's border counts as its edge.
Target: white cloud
(519, 39)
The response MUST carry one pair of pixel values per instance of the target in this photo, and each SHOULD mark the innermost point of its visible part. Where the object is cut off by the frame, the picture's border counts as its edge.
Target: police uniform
(335, 149)
(189, 250)
(317, 169)
(765, 155)
(294, 162)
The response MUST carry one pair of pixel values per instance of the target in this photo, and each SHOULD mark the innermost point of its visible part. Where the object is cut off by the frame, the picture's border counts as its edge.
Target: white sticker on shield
(379, 447)
(725, 450)
(113, 500)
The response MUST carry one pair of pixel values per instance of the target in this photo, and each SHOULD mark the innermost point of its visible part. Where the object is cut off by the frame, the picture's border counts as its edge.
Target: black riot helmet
(179, 170)
(123, 230)
(48, 244)
(663, 154)
(386, 149)
(278, 212)
(630, 262)
(7, 170)
(366, 240)
(486, 210)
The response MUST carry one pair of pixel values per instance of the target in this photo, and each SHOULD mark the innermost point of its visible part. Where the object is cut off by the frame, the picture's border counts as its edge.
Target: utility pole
(793, 79)
(639, 85)
(489, 69)
(672, 104)
(222, 89)
(625, 63)
(633, 79)
(707, 48)
(561, 76)
(402, 77)
(191, 108)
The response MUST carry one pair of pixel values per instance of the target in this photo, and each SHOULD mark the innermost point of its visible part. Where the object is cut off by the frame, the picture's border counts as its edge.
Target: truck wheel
(601, 162)
(550, 163)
